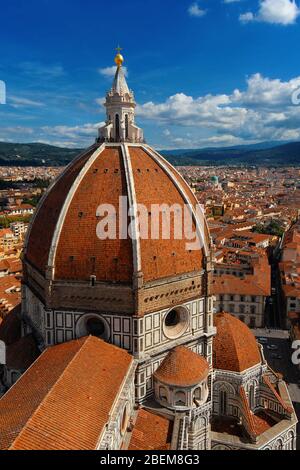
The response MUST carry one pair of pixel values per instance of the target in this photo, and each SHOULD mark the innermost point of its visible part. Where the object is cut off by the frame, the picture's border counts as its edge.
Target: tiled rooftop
(234, 347)
(151, 432)
(42, 412)
(182, 367)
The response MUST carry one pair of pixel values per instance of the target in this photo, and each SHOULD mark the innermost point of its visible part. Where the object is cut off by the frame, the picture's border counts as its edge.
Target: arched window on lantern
(223, 402)
(197, 395)
(163, 395)
(252, 396)
(180, 399)
(117, 125)
(126, 126)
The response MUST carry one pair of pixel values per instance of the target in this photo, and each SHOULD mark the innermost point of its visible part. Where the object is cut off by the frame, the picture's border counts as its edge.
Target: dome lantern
(120, 110)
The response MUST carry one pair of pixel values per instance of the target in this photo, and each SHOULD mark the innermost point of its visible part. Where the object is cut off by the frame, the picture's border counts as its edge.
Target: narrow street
(274, 315)
(279, 358)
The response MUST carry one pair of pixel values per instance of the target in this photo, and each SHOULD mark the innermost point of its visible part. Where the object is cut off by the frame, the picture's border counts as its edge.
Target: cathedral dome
(182, 368)
(234, 347)
(123, 173)
(63, 239)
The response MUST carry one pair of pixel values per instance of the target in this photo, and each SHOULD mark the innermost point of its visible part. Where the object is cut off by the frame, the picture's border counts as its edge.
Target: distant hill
(259, 154)
(244, 147)
(35, 155)
(265, 153)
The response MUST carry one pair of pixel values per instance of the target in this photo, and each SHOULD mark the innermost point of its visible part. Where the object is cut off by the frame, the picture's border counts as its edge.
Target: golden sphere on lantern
(119, 59)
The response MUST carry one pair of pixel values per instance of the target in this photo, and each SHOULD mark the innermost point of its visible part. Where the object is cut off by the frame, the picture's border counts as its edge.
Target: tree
(274, 227)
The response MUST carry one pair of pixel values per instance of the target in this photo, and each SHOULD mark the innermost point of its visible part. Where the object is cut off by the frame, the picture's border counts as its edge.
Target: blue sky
(205, 73)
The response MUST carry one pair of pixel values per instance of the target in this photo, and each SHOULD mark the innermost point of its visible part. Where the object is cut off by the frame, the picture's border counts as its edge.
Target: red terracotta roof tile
(151, 432)
(248, 415)
(64, 399)
(257, 284)
(276, 394)
(80, 253)
(182, 367)
(154, 186)
(262, 422)
(256, 424)
(187, 189)
(234, 347)
(44, 223)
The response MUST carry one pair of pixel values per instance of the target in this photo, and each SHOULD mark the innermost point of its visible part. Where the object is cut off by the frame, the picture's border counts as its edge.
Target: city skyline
(192, 89)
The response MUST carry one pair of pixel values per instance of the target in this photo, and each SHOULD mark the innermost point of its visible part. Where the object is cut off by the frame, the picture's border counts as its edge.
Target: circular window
(93, 325)
(175, 323)
(125, 419)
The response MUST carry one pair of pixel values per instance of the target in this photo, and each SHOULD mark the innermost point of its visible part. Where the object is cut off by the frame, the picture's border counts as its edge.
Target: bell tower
(120, 110)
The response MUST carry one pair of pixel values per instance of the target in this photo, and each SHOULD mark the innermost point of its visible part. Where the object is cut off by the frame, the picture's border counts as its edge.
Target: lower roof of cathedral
(151, 432)
(66, 398)
(235, 347)
(182, 368)
(63, 401)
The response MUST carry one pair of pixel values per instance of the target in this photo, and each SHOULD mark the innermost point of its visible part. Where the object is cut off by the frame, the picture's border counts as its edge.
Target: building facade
(242, 283)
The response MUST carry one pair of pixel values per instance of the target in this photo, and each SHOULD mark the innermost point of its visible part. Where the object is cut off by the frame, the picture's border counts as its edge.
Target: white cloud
(79, 136)
(195, 10)
(246, 17)
(190, 141)
(278, 11)
(73, 132)
(109, 72)
(263, 92)
(100, 101)
(60, 143)
(187, 111)
(224, 139)
(284, 12)
(16, 130)
(36, 69)
(178, 140)
(261, 111)
(18, 102)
